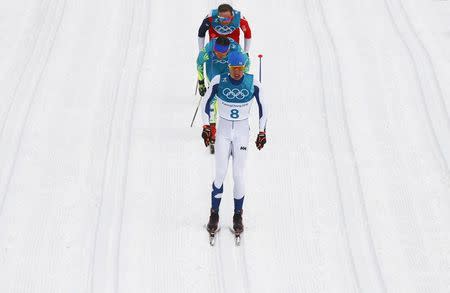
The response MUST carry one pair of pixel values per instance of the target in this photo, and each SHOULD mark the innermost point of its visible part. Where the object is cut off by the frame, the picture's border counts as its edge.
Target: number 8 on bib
(234, 113)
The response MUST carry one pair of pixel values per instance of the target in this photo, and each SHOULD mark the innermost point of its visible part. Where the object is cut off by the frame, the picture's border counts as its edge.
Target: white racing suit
(234, 103)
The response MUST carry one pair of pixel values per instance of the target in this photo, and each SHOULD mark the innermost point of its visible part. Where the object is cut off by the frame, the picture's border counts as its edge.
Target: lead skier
(235, 91)
(225, 21)
(215, 56)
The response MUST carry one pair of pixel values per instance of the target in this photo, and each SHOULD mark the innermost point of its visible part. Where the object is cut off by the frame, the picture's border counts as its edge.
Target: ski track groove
(93, 273)
(27, 63)
(31, 99)
(244, 267)
(219, 264)
(330, 145)
(130, 118)
(110, 159)
(332, 51)
(434, 82)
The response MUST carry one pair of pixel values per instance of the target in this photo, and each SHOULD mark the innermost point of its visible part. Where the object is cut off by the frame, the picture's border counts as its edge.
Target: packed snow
(105, 188)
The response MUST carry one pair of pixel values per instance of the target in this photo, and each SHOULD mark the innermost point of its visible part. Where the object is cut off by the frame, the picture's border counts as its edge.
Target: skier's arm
(204, 27)
(209, 96)
(247, 34)
(259, 96)
(247, 43)
(201, 42)
(201, 59)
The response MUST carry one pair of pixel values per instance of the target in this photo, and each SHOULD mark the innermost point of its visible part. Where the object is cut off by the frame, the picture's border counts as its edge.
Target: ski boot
(238, 227)
(213, 226)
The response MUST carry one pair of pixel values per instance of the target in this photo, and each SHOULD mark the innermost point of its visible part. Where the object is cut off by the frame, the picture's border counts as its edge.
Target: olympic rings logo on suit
(224, 30)
(235, 93)
(221, 61)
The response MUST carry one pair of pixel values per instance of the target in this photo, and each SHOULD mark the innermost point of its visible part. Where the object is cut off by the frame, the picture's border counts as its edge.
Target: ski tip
(237, 236)
(237, 240)
(212, 240)
(212, 235)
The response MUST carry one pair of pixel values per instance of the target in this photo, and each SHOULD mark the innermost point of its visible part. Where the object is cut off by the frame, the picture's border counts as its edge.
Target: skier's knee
(220, 177)
(238, 191)
(217, 191)
(238, 178)
(238, 195)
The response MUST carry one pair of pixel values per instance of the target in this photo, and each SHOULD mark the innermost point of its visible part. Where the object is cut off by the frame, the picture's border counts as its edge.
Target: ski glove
(213, 132)
(206, 134)
(201, 87)
(261, 140)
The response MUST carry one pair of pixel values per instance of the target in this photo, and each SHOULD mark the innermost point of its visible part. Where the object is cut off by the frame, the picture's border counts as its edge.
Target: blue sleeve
(259, 96)
(210, 98)
(256, 94)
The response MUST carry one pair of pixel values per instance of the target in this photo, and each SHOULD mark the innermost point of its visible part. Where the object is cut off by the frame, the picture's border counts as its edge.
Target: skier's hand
(201, 87)
(261, 140)
(206, 134)
(213, 132)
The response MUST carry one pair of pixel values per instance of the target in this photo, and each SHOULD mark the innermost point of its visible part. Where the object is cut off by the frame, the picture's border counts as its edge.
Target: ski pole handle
(260, 67)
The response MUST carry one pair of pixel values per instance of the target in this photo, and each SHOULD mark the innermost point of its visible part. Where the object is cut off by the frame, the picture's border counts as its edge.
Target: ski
(212, 239)
(211, 149)
(212, 235)
(237, 236)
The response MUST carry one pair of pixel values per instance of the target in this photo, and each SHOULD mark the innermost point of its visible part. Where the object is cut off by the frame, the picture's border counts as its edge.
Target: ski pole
(196, 110)
(195, 114)
(260, 66)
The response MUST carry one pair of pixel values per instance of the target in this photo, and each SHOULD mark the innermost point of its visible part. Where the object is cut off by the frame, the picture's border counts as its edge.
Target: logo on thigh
(243, 148)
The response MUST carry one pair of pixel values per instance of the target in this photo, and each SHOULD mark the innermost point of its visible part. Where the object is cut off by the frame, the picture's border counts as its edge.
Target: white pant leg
(222, 151)
(241, 133)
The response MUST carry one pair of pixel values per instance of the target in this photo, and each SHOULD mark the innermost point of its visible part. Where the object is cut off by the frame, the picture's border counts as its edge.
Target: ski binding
(237, 237)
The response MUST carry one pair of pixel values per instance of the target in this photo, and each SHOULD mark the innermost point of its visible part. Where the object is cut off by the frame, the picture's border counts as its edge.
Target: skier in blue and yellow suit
(215, 55)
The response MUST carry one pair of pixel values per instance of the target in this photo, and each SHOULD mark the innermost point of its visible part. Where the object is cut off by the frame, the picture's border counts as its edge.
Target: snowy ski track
(25, 91)
(364, 263)
(105, 188)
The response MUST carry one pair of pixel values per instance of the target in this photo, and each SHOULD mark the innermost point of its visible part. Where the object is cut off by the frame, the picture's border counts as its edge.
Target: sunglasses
(225, 19)
(238, 67)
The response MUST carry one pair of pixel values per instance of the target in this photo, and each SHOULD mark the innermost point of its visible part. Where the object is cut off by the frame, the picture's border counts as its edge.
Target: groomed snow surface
(105, 188)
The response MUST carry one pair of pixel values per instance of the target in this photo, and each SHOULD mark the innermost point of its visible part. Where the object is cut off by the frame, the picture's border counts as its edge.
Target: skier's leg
(223, 149)
(239, 149)
(239, 146)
